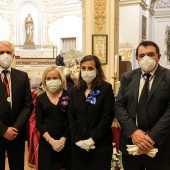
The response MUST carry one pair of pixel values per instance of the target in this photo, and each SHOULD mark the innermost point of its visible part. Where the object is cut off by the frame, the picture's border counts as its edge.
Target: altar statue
(29, 29)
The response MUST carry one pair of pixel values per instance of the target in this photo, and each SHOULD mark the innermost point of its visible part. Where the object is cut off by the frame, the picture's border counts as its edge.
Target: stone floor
(26, 162)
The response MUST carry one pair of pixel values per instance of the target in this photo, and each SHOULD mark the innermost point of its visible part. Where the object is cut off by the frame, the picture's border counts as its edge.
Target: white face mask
(88, 76)
(53, 85)
(147, 63)
(5, 60)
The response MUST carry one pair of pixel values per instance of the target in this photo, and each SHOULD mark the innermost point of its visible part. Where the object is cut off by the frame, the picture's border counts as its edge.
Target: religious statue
(29, 29)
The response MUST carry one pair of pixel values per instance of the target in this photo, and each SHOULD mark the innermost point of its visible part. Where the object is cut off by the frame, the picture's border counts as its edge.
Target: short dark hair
(100, 77)
(148, 43)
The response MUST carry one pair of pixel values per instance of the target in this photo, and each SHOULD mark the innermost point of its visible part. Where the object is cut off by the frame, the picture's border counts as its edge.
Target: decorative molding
(10, 19)
(49, 19)
(78, 15)
(34, 61)
(125, 45)
(162, 4)
(52, 3)
(100, 13)
(141, 3)
(8, 2)
(152, 4)
(117, 16)
(40, 51)
(132, 2)
(83, 15)
(29, 54)
(160, 14)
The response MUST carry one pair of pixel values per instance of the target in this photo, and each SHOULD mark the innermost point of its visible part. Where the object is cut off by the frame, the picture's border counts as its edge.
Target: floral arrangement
(116, 163)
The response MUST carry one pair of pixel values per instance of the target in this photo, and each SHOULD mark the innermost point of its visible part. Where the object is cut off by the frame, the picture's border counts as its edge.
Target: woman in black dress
(90, 115)
(51, 121)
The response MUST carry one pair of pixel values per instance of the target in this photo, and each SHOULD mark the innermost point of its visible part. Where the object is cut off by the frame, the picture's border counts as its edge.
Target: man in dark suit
(15, 109)
(60, 59)
(145, 121)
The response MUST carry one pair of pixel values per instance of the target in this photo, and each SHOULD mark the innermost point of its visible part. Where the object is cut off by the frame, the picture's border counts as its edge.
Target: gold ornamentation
(125, 45)
(126, 54)
(48, 20)
(100, 13)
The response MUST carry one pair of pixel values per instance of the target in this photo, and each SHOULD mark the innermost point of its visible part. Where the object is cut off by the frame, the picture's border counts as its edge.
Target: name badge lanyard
(7, 88)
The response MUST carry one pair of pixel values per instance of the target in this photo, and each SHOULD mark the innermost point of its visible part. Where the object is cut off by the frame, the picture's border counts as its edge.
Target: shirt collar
(1, 69)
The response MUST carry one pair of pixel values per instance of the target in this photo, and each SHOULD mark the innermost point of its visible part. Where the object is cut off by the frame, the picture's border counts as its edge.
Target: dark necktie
(5, 82)
(5, 76)
(142, 115)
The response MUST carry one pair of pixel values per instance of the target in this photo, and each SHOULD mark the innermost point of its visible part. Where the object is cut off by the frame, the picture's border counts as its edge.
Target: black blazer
(21, 103)
(158, 106)
(94, 122)
(60, 60)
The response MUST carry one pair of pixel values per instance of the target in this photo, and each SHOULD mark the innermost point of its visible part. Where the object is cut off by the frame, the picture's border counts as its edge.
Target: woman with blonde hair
(51, 121)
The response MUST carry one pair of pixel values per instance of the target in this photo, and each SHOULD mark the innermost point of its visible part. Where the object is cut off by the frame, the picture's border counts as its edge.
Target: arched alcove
(25, 8)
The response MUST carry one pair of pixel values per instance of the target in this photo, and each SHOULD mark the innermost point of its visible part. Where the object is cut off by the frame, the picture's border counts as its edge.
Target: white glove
(56, 144)
(132, 149)
(79, 143)
(86, 144)
(89, 142)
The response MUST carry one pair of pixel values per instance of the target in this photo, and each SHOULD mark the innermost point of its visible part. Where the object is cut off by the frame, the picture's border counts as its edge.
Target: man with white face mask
(143, 111)
(15, 109)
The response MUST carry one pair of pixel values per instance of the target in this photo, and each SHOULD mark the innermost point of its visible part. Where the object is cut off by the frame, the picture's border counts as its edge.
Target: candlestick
(117, 86)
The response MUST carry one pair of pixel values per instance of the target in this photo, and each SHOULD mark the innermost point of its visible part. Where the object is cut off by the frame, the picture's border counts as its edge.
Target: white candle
(116, 64)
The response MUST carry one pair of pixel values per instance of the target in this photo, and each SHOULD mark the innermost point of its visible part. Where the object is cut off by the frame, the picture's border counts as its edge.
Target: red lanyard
(6, 85)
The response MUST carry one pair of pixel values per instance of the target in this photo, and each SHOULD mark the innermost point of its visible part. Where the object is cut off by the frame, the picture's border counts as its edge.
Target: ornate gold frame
(99, 46)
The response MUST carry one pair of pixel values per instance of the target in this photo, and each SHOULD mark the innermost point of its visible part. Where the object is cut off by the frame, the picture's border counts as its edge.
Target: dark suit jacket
(158, 107)
(92, 120)
(60, 60)
(95, 121)
(21, 103)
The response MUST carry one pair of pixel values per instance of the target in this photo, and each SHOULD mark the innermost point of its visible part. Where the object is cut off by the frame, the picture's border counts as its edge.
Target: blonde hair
(8, 44)
(60, 72)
